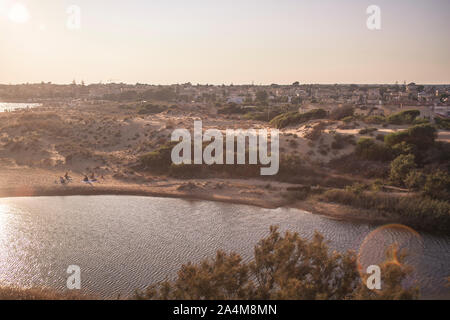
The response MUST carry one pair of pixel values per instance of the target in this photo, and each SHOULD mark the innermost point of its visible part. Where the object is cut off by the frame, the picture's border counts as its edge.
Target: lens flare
(401, 238)
(18, 13)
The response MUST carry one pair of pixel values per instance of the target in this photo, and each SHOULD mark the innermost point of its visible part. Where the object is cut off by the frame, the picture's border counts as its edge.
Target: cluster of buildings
(431, 96)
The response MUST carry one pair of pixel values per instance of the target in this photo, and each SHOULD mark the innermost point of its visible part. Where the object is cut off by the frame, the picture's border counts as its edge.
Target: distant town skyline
(216, 42)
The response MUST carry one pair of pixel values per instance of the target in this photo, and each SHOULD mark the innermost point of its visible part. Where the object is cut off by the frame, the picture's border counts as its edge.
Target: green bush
(367, 130)
(437, 185)
(295, 118)
(151, 109)
(415, 180)
(422, 135)
(159, 160)
(342, 113)
(419, 212)
(404, 117)
(284, 267)
(375, 119)
(368, 149)
(401, 167)
(348, 119)
(442, 123)
(404, 148)
(341, 141)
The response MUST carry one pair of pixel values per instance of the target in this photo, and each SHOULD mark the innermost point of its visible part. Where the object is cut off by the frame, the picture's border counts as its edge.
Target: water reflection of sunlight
(4, 208)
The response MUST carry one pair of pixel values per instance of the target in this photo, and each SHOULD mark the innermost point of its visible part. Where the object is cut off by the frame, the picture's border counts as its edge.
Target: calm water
(123, 243)
(6, 106)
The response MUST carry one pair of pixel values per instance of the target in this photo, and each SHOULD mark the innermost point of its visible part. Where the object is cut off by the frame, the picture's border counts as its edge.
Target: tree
(400, 168)
(437, 185)
(369, 149)
(423, 136)
(284, 267)
(415, 180)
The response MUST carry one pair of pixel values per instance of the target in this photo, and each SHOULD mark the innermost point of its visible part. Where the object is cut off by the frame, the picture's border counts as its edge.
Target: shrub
(404, 148)
(151, 109)
(316, 132)
(232, 108)
(159, 160)
(419, 212)
(367, 130)
(404, 117)
(348, 119)
(295, 118)
(401, 167)
(368, 149)
(375, 119)
(415, 180)
(340, 141)
(442, 123)
(342, 112)
(284, 267)
(437, 185)
(421, 121)
(422, 135)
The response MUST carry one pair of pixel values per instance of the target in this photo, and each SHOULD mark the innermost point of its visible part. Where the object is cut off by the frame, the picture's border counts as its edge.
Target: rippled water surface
(123, 243)
(6, 106)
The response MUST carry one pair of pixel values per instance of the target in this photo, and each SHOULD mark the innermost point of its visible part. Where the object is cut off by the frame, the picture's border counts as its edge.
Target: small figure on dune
(61, 179)
(85, 179)
(67, 177)
(93, 177)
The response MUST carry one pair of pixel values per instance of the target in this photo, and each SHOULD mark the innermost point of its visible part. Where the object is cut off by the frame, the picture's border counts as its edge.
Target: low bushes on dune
(403, 117)
(295, 118)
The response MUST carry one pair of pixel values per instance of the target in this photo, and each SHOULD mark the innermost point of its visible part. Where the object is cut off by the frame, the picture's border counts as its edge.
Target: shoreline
(311, 206)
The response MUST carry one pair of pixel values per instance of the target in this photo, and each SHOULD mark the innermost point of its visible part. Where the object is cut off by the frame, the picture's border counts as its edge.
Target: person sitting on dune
(61, 179)
(68, 178)
(86, 179)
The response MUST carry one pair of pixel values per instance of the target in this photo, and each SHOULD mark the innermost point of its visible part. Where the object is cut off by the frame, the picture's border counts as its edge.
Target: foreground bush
(284, 267)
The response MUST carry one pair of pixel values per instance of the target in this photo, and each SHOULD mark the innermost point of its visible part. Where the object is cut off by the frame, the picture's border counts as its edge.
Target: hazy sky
(234, 41)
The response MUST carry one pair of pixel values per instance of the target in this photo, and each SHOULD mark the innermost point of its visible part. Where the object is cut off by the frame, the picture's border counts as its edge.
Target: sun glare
(19, 13)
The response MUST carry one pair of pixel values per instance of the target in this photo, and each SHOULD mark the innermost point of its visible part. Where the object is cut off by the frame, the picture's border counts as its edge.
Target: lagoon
(123, 243)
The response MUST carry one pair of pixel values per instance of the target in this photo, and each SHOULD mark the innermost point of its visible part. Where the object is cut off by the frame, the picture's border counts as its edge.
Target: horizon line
(229, 84)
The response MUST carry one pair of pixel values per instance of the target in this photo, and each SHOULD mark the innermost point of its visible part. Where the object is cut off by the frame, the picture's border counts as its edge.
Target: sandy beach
(26, 182)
